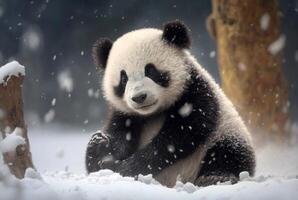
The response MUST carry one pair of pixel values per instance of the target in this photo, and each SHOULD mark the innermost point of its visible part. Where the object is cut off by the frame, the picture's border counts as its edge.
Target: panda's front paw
(99, 146)
(123, 168)
(109, 163)
(99, 138)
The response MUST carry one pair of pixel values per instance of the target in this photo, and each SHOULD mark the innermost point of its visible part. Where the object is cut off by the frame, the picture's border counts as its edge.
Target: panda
(167, 116)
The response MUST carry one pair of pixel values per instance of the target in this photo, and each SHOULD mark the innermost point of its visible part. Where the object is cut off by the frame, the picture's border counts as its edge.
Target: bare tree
(11, 105)
(249, 44)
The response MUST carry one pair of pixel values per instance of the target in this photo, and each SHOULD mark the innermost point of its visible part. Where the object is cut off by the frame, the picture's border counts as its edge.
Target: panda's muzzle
(140, 98)
(143, 101)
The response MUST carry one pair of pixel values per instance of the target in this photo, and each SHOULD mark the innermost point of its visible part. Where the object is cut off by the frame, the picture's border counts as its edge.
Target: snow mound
(11, 141)
(54, 156)
(108, 185)
(11, 69)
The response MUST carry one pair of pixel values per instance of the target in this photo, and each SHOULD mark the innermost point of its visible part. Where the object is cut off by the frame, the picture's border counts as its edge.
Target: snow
(12, 140)
(243, 175)
(11, 69)
(93, 93)
(108, 185)
(171, 148)
(65, 81)
(277, 45)
(264, 21)
(31, 38)
(53, 102)
(49, 116)
(58, 154)
(128, 136)
(212, 54)
(127, 123)
(185, 110)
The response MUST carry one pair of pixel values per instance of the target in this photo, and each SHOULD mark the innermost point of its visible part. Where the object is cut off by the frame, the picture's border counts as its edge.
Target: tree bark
(11, 105)
(251, 74)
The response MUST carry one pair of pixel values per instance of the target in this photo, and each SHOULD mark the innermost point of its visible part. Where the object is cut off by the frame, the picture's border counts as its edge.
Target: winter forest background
(53, 40)
(63, 101)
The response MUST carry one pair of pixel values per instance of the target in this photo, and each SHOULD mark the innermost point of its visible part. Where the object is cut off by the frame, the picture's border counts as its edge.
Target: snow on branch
(11, 69)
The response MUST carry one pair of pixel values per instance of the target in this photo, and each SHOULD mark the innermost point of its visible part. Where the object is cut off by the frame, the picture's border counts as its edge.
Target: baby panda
(167, 116)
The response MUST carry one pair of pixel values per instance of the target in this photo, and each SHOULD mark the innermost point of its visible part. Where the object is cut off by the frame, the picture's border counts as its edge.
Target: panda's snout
(139, 98)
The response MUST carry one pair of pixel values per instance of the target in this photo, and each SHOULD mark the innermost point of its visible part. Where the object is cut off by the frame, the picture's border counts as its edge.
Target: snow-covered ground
(58, 154)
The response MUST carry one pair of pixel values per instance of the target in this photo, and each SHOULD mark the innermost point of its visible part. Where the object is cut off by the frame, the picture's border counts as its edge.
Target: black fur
(161, 78)
(176, 33)
(116, 142)
(184, 133)
(120, 89)
(100, 52)
(229, 156)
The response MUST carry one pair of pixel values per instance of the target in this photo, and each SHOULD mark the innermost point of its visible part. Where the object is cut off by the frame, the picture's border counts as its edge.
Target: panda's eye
(123, 77)
(120, 88)
(161, 78)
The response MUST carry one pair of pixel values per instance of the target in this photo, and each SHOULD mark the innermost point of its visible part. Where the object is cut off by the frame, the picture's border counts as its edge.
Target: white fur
(132, 52)
(150, 130)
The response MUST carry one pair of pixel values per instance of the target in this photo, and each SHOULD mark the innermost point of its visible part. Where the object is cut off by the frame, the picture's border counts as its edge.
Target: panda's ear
(176, 33)
(100, 52)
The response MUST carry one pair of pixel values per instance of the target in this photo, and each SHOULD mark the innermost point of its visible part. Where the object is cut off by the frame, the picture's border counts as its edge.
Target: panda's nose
(140, 98)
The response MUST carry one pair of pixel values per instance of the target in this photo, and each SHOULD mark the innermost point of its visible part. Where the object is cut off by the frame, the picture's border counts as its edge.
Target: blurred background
(53, 39)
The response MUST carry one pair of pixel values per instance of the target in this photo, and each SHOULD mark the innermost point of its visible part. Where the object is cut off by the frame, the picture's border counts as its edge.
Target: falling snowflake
(53, 103)
(127, 122)
(32, 38)
(185, 110)
(128, 136)
(90, 92)
(277, 45)
(49, 116)
(212, 54)
(264, 21)
(171, 148)
(65, 81)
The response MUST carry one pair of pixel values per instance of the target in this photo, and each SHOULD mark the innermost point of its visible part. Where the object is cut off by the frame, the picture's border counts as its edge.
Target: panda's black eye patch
(120, 88)
(159, 77)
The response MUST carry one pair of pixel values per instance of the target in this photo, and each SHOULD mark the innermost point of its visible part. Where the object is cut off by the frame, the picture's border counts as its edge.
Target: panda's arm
(117, 141)
(179, 137)
(188, 124)
(124, 131)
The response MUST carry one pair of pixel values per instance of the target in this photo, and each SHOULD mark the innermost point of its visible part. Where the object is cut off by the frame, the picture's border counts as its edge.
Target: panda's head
(144, 70)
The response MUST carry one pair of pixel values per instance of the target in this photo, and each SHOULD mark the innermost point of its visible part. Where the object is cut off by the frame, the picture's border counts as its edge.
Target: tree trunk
(249, 46)
(11, 106)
